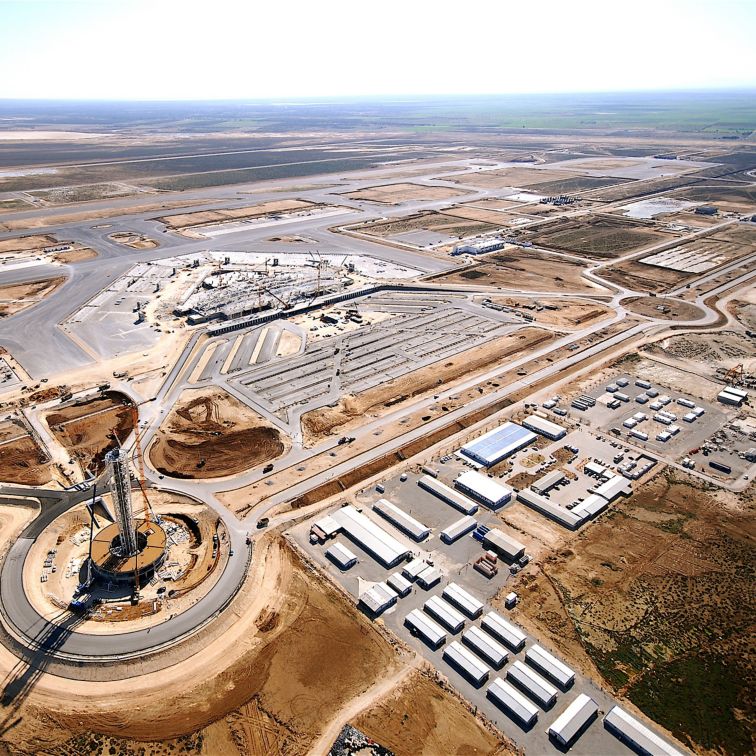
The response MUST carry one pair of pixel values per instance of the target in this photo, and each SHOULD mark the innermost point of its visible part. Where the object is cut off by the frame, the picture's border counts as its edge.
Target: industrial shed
(400, 584)
(464, 601)
(468, 664)
(446, 614)
(505, 546)
(373, 538)
(563, 516)
(378, 598)
(498, 444)
(636, 735)
(573, 720)
(544, 427)
(512, 701)
(414, 568)
(341, 556)
(485, 646)
(592, 506)
(426, 628)
(429, 577)
(550, 666)
(484, 489)
(531, 683)
(448, 495)
(497, 626)
(457, 529)
(398, 517)
(613, 487)
(548, 481)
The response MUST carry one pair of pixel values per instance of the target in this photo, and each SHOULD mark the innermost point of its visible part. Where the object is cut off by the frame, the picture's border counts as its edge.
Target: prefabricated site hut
(513, 702)
(494, 624)
(505, 546)
(371, 536)
(567, 727)
(400, 519)
(448, 495)
(636, 735)
(484, 489)
(547, 663)
(498, 444)
(341, 556)
(544, 427)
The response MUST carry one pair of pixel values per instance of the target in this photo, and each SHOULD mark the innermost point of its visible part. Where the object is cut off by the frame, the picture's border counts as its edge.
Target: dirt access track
(657, 591)
(202, 218)
(320, 423)
(90, 429)
(210, 434)
(17, 297)
(395, 194)
(563, 313)
(525, 269)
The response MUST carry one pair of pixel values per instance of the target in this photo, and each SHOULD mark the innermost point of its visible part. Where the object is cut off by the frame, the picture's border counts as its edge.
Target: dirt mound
(23, 462)
(213, 435)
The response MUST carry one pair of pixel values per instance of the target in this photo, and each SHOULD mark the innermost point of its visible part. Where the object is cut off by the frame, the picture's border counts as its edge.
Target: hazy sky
(187, 49)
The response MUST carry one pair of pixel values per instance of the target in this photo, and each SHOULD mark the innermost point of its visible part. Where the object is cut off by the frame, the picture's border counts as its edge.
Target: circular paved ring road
(32, 636)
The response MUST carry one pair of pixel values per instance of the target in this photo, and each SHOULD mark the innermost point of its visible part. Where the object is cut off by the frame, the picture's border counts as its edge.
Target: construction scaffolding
(120, 476)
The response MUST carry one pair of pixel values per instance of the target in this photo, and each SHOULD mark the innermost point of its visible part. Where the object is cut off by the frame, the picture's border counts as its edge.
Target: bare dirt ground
(185, 220)
(423, 718)
(133, 239)
(503, 177)
(17, 297)
(599, 237)
(33, 243)
(84, 193)
(427, 221)
(641, 277)
(525, 269)
(484, 215)
(210, 434)
(88, 431)
(320, 423)
(22, 461)
(395, 194)
(266, 686)
(744, 311)
(656, 592)
(724, 349)
(672, 309)
(571, 313)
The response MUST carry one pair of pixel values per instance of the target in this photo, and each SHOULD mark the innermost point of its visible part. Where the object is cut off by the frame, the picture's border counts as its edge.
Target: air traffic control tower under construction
(129, 550)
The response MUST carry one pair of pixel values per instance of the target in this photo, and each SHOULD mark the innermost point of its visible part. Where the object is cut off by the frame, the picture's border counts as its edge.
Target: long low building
(466, 663)
(494, 624)
(341, 556)
(636, 735)
(400, 584)
(486, 490)
(613, 488)
(547, 482)
(504, 545)
(371, 536)
(485, 646)
(553, 511)
(379, 598)
(398, 517)
(573, 720)
(463, 600)
(498, 444)
(426, 628)
(445, 613)
(457, 529)
(544, 427)
(592, 506)
(448, 495)
(512, 701)
(531, 683)
(551, 666)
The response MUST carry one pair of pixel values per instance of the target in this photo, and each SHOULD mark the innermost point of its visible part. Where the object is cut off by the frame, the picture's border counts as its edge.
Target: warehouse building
(341, 556)
(592, 506)
(498, 444)
(457, 529)
(400, 584)
(479, 247)
(513, 702)
(426, 628)
(558, 671)
(497, 626)
(414, 568)
(466, 663)
(464, 601)
(544, 427)
(484, 489)
(485, 647)
(563, 516)
(448, 495)
(574, 720)
(732, 396)
(429, 577)
(370, 536)
(613, 488)
(636, 735)
(378, 598)
(548, 481)
(446, 614)
(401, 519)
(532, 684)
(503, 545)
